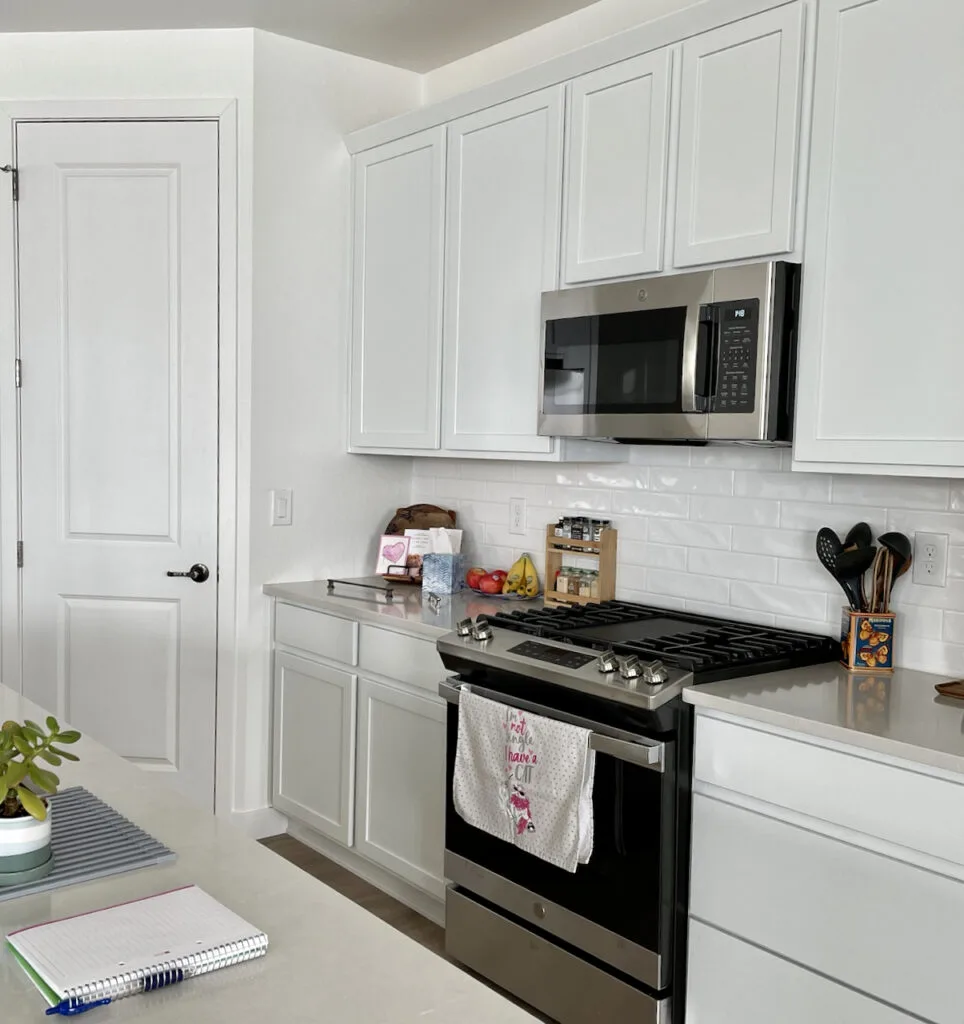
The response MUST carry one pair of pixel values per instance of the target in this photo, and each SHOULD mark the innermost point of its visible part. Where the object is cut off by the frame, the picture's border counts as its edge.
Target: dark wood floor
(376, 902)
(379, 903)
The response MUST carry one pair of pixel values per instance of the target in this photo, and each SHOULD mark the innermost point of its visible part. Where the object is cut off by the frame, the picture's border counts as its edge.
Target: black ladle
(851, 566)
(900, 547)
(828, 550)
(860, 536)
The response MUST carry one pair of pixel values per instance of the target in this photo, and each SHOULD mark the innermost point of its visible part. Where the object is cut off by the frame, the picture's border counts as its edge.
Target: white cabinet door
(884, 225)
(501, 252)
(314, 744)
(400, 801)
(616, 152)
(738, 139)
(719, 990)
(399, 194)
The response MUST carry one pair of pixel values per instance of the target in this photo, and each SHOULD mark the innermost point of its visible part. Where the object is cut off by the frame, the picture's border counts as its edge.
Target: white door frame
(231, 516)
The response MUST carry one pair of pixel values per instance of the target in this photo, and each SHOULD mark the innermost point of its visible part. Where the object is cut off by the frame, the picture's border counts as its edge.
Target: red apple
(499, 574)
(490, 584)
(473, 576)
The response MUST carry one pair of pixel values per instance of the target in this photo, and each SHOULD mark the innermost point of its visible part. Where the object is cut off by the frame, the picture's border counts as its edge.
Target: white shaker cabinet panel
(314, 744)
(398, 205)
(616, 169)
(732, 982)
(400, 798)
(739, 139)
(503, 203)
(884, 261)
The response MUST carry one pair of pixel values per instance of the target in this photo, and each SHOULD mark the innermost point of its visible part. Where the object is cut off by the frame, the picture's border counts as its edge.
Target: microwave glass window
(615, 363)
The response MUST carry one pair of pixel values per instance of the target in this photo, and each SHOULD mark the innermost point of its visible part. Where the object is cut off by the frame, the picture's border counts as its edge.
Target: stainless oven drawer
(536, 970)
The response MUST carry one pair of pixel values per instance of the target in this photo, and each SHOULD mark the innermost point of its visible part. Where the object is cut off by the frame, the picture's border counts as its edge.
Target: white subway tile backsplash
(738, 511)
(689, 534)
(733, 565)
(723, 531)
(691, 481)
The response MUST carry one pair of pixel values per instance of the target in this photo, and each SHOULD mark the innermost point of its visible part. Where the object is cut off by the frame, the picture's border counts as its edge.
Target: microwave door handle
(643, 752)
(689, 394)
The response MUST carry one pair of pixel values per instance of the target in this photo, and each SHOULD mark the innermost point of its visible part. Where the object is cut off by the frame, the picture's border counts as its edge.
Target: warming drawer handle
(646, 753)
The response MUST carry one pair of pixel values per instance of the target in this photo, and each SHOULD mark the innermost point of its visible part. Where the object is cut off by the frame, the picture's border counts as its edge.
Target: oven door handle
(639, 750)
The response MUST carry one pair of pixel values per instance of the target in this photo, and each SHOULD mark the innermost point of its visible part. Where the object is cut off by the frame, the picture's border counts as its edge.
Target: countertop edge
(823, 730)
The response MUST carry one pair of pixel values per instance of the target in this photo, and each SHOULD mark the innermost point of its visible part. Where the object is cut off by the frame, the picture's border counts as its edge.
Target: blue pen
(70, 1007)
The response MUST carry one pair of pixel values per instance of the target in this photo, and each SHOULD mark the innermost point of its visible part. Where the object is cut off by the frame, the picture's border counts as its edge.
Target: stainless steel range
(609, 941)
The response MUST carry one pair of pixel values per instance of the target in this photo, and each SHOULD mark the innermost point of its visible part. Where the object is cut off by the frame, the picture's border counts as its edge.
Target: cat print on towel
(521, 760)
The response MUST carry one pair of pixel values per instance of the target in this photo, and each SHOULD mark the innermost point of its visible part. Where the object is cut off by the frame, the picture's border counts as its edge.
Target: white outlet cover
(930, 572)
(517, 515)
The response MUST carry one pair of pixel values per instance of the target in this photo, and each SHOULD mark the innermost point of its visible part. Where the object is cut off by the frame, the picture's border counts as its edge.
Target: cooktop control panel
(552, 655)
(738, 327)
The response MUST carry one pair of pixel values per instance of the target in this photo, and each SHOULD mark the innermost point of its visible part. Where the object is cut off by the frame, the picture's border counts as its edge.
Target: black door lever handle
(198, 572)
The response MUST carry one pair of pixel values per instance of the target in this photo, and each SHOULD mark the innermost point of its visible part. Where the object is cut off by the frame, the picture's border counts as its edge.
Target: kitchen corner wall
(720, 530)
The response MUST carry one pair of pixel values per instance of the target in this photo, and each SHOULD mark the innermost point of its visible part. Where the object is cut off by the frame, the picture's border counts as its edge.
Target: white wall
(601, 19)
(306, 98)
(722, 531)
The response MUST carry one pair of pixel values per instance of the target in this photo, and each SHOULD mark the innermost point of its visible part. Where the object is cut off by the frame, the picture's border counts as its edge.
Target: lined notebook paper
(135, 946)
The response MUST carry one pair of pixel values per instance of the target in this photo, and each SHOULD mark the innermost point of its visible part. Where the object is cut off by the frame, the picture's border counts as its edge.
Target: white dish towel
(525, 779)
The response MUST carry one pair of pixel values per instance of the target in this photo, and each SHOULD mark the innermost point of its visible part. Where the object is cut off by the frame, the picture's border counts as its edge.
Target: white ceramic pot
(24, 845)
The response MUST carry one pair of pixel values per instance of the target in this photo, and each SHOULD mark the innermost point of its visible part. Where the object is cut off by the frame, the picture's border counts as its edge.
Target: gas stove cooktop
(710, 648)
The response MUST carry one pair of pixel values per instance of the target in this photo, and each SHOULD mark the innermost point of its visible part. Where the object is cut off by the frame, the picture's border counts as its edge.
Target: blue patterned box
(442, 574)
(867, 641)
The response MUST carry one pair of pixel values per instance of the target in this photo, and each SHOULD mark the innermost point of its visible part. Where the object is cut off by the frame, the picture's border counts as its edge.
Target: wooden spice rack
(603, 549)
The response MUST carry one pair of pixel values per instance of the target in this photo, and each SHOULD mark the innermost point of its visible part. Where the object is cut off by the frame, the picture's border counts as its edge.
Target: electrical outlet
(930, 559)
(517, 515)
(281, 508)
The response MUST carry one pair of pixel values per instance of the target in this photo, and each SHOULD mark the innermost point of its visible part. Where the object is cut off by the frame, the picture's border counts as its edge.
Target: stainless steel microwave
(709, 356)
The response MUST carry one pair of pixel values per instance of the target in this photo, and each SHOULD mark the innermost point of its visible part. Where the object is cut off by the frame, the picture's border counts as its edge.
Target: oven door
(618, 365)
(618, 908)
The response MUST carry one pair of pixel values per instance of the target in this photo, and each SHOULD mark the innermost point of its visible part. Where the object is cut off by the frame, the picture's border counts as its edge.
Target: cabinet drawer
(321, 634)
(899, 804)
(877, 924)
(408, 659)
(718, 992)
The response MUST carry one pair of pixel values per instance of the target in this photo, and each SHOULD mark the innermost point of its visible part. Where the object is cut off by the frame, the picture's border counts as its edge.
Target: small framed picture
(392, 552)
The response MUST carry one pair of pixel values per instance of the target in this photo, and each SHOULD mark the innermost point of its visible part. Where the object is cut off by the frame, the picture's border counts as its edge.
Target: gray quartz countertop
(897, 714)
(410, 611)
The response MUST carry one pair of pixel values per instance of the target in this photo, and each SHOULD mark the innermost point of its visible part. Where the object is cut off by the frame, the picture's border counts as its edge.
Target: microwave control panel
(737, 334)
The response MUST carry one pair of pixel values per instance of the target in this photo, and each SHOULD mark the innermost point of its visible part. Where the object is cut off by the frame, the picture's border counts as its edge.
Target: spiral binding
(170, 972)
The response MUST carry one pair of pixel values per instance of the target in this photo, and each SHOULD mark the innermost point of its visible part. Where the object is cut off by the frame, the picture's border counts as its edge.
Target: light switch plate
(281, 508)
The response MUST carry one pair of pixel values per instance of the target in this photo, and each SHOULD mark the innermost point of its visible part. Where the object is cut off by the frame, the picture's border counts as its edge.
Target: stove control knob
(654, 673)
(629, 669)
(481, 630)
(606, 662)
(464, 627)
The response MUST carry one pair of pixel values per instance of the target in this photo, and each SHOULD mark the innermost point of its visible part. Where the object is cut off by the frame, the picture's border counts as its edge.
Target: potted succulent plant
(24, 817)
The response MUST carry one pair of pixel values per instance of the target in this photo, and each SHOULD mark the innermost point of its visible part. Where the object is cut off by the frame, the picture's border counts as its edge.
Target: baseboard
(420, 902)
(259, 823)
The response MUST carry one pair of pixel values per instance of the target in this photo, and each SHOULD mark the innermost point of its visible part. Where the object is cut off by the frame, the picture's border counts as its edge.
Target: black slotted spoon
(829, 549)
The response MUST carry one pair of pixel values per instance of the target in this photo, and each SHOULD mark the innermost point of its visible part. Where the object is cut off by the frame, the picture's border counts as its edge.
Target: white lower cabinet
(314, 744)
(400, 792)
(732, 982)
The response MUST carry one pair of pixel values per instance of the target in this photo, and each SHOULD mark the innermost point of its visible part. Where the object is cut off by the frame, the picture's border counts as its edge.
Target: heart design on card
(393, 552)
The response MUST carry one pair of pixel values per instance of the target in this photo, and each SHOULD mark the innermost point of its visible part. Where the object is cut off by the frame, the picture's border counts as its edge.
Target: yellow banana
(531, 578)
(515, 581)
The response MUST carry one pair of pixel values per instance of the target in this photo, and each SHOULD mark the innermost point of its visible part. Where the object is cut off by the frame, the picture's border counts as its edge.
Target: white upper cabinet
(739, 139)
(503, 201)
(616, 153)
(397, 292)
(881, 348)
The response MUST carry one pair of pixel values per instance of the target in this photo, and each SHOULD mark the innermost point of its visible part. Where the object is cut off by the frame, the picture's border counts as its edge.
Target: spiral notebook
(134, 947)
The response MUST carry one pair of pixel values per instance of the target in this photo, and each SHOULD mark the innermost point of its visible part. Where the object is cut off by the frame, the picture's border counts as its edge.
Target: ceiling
(416, 34)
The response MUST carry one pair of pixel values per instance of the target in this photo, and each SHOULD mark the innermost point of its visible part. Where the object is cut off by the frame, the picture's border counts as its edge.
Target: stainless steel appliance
(709, 356)
(609, 941)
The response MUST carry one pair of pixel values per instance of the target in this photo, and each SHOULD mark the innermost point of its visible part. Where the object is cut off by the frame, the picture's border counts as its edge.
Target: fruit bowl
(507, 597)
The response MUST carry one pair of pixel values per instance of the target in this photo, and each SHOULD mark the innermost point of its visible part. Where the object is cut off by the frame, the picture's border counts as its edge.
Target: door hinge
(17, 373)
(19, 554)
(14, 180)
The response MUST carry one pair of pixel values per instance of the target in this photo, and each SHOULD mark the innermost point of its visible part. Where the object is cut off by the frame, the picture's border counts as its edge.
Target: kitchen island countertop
(897, 714)
(409, 612)
(328, 958)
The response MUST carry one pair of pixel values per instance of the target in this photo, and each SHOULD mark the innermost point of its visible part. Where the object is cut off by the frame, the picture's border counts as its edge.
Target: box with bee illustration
(867, 641)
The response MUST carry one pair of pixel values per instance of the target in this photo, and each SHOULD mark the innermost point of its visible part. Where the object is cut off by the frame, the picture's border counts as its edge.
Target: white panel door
(399, 195)
(118, 278)
(739, 139)
(885, 219)
(314, 744)
(616, 150)
(504, 183)
(400, 798)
